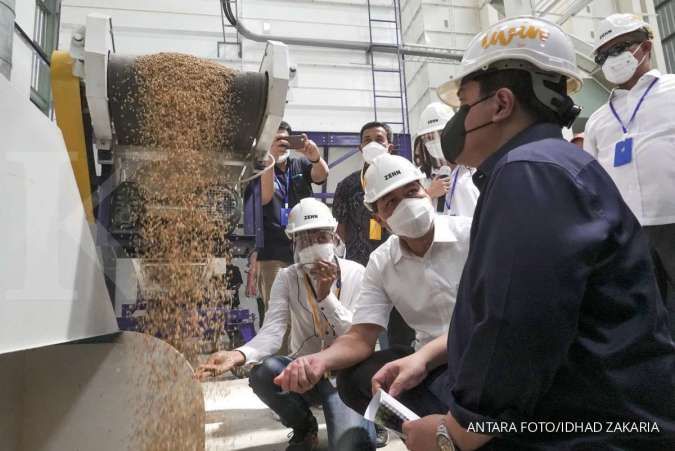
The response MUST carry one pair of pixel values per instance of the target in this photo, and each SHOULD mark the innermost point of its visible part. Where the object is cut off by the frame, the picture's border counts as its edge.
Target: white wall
(22, 56)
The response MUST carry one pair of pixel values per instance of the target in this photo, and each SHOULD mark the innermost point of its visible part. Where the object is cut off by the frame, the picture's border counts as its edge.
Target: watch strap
(443, 439)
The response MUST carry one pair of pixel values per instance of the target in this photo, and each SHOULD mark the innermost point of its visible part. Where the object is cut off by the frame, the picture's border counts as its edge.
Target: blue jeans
(347, 430)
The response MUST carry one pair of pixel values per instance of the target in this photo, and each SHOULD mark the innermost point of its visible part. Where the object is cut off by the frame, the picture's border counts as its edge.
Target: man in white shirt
(315, 296)
(449, 185)
(417, 270)
(633, 138)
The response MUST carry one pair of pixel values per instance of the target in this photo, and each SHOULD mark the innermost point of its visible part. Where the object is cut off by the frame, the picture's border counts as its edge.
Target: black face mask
(452, 137)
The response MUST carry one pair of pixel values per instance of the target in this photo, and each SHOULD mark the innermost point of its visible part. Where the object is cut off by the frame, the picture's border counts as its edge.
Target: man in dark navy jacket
(559, 338)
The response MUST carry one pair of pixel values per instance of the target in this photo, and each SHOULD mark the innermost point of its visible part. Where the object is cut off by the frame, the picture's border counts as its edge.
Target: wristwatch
(443, 439)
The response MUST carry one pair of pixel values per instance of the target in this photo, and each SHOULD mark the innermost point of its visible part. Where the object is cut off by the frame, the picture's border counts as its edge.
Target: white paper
(388, 412)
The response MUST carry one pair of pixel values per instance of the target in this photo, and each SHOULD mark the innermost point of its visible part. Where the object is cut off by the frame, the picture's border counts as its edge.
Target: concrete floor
(237, 420)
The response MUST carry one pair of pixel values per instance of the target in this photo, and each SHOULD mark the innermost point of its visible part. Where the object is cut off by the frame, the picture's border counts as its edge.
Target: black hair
(421, 157)
(375, 124)
(284, 126)
(520, 83)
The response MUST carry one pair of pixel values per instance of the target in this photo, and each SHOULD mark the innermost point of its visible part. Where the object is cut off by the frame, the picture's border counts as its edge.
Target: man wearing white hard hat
(356, 226)
(633, 137)
(558, 322)
(448, 184)
(417, 270)
(316, 297)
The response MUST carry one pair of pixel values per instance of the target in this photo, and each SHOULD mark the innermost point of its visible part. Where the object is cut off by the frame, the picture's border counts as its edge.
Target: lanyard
(637, 107)
(338, 282)
(451, 195)
(288, 181)
(319, 325)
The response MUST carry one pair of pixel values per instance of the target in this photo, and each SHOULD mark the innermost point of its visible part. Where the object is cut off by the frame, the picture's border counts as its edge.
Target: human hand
(280, 145)
(400, 375)
(310, 151)
(219, 363)
(301, 374)
(420, 435)
(439, 187)
(325, 274)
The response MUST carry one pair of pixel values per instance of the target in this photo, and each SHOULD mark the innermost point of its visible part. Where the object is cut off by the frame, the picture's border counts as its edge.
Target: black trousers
(428, 398)
(398, 331)
(662, 242)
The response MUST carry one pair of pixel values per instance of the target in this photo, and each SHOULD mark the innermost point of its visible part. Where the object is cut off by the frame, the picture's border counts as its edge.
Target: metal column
(7, 16)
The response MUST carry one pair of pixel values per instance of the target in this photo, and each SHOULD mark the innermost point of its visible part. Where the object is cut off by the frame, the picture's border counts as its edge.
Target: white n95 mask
(315, 252)
(373, 150)
(620, 68)
(412, 218)
(434, 148)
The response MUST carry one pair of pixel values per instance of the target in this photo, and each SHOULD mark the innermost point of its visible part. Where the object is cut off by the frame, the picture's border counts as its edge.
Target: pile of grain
(187, 109)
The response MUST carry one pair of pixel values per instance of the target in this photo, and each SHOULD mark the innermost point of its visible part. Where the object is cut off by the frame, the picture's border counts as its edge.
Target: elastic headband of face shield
(545, 86)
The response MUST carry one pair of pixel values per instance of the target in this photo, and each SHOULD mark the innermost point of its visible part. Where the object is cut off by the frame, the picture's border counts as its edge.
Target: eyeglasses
(614, 50)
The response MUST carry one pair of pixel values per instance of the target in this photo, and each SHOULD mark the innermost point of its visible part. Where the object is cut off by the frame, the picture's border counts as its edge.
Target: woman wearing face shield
(315, 296)
(449, 185)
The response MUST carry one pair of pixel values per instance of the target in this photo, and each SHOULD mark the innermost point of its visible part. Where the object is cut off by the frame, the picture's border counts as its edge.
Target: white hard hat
(387, 173)
(310, 214)
(434, 117)
(617, 25)
(539, 42)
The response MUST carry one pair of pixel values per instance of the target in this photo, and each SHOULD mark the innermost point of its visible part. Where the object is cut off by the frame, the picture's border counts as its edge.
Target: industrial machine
(69, 379)
(95, 81)
(114, 122)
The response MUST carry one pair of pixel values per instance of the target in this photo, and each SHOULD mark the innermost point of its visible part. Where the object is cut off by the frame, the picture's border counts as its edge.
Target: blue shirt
(558, 316)
(277, 245)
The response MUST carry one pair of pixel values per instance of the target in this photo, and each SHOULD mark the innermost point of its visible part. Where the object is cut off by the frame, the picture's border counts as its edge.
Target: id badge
(623, 152)
(375, 230)
(283, 217)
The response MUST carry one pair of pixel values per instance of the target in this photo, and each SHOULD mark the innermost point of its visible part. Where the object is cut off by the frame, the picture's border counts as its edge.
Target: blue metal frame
(253, 214)
(402, 145)
(326, 140)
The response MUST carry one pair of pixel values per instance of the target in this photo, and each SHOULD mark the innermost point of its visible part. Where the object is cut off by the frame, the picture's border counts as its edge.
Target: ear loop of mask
(466, 132)
(643, 56)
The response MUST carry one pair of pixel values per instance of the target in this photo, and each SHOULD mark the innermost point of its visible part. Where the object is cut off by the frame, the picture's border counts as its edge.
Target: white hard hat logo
(504, 37)
(308, 217)
(392, 174)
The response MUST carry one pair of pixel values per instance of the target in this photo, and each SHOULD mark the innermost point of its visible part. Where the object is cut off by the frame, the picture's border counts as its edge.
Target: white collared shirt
(647, 183)
(423, 289)
(462, 200)
(289, 302)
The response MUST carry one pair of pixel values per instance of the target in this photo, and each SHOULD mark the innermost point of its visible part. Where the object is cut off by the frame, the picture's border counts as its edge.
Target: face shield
(432, 142)
(311, 246)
